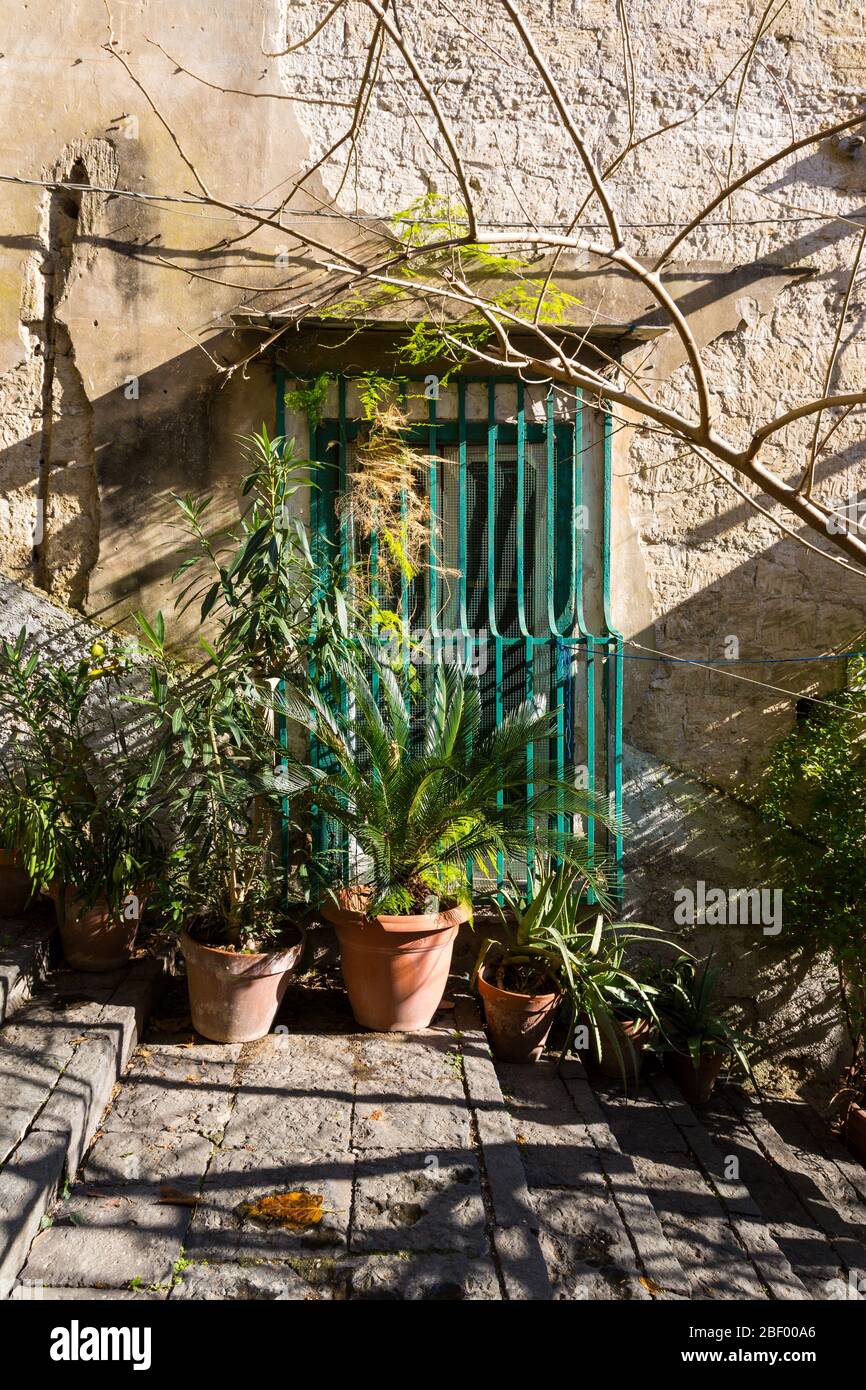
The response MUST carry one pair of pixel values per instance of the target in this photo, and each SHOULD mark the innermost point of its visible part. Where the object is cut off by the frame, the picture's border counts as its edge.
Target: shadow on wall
(172, 430)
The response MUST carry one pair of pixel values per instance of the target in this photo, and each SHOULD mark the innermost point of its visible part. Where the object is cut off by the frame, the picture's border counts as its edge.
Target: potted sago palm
(420, 793)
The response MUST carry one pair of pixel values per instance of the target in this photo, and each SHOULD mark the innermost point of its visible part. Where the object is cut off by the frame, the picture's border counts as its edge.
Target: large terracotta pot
(93, 937)
(395, 968)
(16, 889)
(233, 995)
(696, 1083)
(855, 1131)
(632, 1036)
(517, 1024)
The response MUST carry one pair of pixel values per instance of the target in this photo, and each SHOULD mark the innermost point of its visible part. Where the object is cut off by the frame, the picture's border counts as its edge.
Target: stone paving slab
(280, 1283)
(409, 1092)
(655, 1252)
(29, 1183)
(555, 1146)
(175, 1157)
(290, 1116)
(417, 1200)
(176, 1088)
(742, 1210)
(709, 1251)
(109, 1237)
(94, 1295)
(586, 1247)
(442, 1278)
(311, 1059)
(225, 1226)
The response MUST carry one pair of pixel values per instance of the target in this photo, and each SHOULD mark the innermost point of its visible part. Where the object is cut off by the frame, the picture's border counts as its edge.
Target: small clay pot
(16, 890)
(633, 1034)
(696, 1083)
(395, 968)
(517, 1024)
(93, 938)
(855, 1131)
(234, 995)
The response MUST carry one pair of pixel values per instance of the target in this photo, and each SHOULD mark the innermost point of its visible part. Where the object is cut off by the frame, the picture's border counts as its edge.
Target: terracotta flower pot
(696, 1083)
(633, 1036)
(234, 995)
(93, 938)
(517, 1024)
(16, 890)
(395, 968)
(855, 1131)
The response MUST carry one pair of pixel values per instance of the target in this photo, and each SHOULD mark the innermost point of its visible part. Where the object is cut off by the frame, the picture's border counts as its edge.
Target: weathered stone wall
(107, 406)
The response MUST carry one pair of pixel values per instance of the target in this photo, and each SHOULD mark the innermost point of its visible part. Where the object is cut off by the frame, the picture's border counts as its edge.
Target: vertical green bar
(521, 597)
(282, 727)
(345, 525)
(493, 626)
(462, 549)
(588, 639)
(433, 499)
(614, 665)
(557, 677)
(405, 607)
(462, 556)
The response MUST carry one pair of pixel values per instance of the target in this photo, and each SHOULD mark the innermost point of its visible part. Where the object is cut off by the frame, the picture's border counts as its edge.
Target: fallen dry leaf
(650, 1284)
(293, 1211)
(174, 1197)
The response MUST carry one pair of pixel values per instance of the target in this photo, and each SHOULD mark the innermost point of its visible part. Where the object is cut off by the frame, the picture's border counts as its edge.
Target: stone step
(61, 1053)
(599, 1233)
(807, 1186)
(25, 950)
(756, 1200)
(743, 1212)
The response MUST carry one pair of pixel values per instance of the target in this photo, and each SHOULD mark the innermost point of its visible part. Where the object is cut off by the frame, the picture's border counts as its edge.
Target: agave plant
(560, 941)
(692, 1019)
(422, 799)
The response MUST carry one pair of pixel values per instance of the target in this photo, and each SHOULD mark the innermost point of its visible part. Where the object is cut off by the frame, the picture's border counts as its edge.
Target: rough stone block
(290, 1116)
(225, 1227)
(586, 1248)
(178, 1158)
(524, 1271)
(29, 1183)
(109, 1237)
(278, 1283)
(710, 1255)
(419, 1200)
(428, 1278)
(410, 1092)
(174, 1089)
(82, 1092)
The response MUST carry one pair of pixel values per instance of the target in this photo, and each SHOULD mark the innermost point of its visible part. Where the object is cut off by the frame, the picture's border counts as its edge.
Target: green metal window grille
(511, 565)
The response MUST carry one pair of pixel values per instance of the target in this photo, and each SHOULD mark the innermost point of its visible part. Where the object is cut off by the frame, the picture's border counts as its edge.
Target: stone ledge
(23, 962)
(65, 1115)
